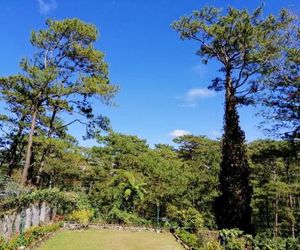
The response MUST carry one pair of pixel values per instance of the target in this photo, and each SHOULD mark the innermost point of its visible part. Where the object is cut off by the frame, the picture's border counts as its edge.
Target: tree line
(199, 183)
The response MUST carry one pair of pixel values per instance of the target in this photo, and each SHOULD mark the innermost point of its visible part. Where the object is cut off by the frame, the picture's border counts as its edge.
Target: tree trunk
(13, 149)
(290, 199)
(46, 149)
(292, 219)
(275, 201)
(29, 147)
(276, 216)
(267, 213)
(13, 158)
(233, 205)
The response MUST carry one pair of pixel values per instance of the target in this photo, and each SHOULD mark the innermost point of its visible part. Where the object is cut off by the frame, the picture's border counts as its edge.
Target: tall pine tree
(62, 76)
(243, 43)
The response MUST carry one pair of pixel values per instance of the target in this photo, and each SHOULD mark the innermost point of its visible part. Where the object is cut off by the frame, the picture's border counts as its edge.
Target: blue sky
(162, 82)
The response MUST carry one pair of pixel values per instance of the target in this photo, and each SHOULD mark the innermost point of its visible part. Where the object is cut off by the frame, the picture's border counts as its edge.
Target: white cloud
(198, 93)
(191, 98)
(45, 6)
(179, 132)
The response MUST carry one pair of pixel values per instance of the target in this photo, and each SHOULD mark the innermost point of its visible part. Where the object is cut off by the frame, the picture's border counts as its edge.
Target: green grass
(107, 239)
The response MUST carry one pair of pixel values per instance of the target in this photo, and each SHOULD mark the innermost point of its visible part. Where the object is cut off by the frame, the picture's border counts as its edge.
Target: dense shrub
(190, 239)
(10, 188)
(233, 239)
(81, 216)
(29, 237)
(270, 243)
(65, 202)
(188, 219)
(212, 245)
(122, 217)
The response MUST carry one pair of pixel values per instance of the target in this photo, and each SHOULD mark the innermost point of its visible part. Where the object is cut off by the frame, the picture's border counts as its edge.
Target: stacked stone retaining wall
(21, 220)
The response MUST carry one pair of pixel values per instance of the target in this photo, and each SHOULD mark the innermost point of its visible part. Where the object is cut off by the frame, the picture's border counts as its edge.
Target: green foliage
(244, 44)
(281, 102)
(235, 244)
(212, 245)
(131, 180)
(63, 75)
(261, 242)
(191, 239)
(228, 234)
(190, 219)
(30, 237)
(202, 164)
(10, 188)
(190, 186)
(123, 191)
(66, 202)
(122, 217)
(275, 178)
(81, 216)
(233, 239)
(233, 205)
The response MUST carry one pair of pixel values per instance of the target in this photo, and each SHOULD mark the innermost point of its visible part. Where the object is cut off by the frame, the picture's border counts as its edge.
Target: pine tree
(243, 44)
(62, 76)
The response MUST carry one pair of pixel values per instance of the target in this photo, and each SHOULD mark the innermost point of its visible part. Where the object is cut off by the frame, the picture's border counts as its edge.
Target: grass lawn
(106, 239)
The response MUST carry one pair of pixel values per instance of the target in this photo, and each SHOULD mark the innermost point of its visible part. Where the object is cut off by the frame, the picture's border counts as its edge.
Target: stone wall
(19, 221)
(74, 226)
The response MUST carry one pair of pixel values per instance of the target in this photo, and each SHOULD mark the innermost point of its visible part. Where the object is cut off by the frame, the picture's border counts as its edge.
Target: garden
(120, 191)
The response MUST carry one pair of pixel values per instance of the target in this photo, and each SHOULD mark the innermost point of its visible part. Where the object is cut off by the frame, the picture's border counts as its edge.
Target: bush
(212, 245)
(235, 244)
(10, 188)
(65, 202)
(293, 244)
(262, 242)
(3, 243)
(233, 239)
(192, 240)
(81, 216)
(189, 219)
(29, 237)
(122, 217)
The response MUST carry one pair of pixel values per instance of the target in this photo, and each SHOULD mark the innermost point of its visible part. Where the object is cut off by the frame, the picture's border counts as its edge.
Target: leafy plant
(81, 216)
(29, 237)
(122, 217)
(233, 239)
(212, 245)
(263, 242)
(188, 219)
(191, 239)
(65, 202)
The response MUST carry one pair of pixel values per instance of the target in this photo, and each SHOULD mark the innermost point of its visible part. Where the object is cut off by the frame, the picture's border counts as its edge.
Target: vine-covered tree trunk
(233, 206)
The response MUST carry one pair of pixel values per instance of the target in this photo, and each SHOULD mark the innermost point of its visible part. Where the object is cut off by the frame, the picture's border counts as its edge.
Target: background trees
(196, 183)
(62, 76)
(281, 101)
(243, 44)
(275, 178)
(133, 178)
(202, 165)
